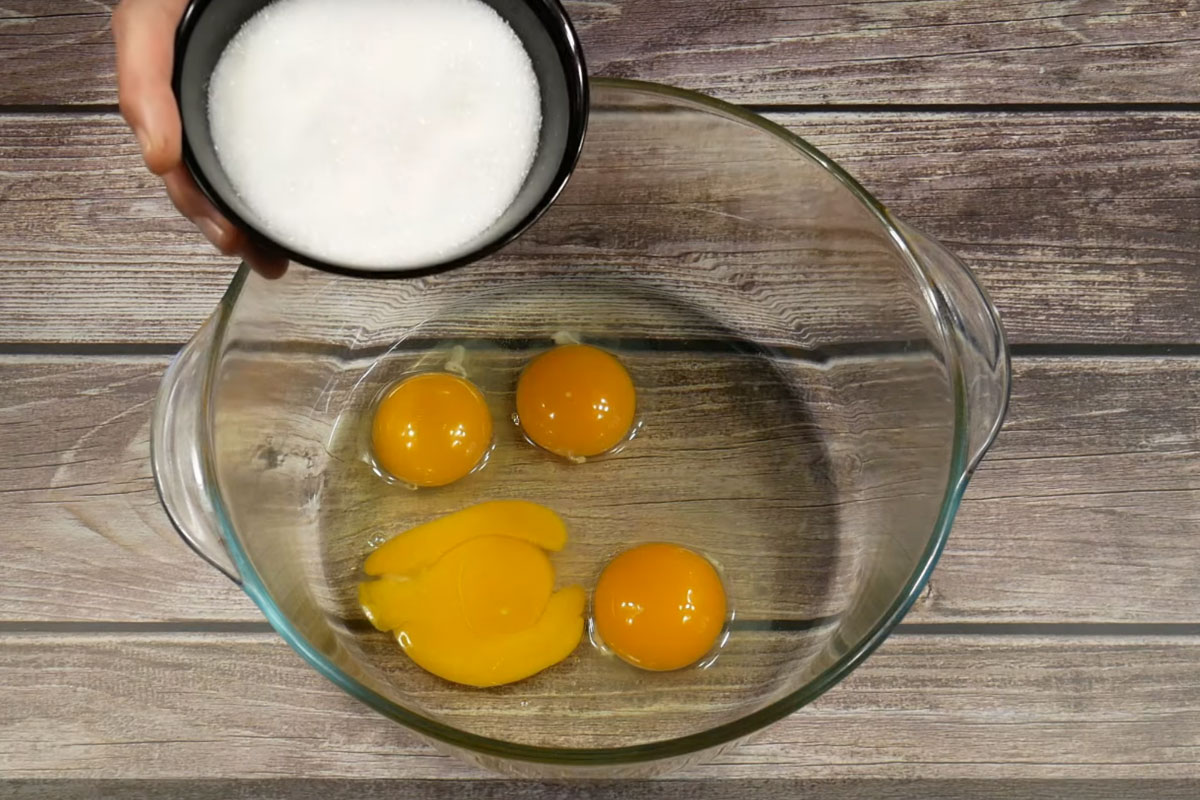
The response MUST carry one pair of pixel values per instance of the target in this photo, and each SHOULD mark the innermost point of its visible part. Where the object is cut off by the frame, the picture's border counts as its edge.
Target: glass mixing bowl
(816, 382)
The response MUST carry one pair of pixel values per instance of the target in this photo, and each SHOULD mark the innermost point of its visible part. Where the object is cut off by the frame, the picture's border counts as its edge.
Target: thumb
(145, 35)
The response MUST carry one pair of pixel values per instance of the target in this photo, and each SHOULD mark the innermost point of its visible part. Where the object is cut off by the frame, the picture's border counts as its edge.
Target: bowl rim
(957, 477)
(570, 54)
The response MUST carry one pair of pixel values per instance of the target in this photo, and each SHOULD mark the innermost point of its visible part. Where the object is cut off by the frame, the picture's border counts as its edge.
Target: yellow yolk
(576, 401)
(417, 548)
(470, 596)
(659, 606)
(431, 429)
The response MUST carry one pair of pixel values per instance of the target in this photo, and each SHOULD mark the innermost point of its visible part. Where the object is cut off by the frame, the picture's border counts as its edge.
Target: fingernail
(212, 231)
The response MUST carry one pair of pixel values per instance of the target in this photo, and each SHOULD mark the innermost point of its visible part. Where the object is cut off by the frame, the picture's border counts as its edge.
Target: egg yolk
(576, 401)
(659, 606)
(470, 596)
(431, 429)
(417, 548)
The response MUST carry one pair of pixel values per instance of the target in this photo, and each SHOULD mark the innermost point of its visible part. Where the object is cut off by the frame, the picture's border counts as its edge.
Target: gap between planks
(1078, 350)
(255, 629)
(658, 789)
(14, 109)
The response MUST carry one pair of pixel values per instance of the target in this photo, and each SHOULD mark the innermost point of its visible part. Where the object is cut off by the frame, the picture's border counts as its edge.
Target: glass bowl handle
(979, 334)
(176, 436)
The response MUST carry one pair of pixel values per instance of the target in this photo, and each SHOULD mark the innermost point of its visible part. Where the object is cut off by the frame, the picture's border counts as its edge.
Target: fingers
(145, 36)
(221, 232)
(266, 263)
(195, 206)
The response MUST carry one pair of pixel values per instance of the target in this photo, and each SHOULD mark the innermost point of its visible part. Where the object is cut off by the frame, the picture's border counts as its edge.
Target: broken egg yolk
(659, 606)
(576, 401)
(470, 596)
(431, 429)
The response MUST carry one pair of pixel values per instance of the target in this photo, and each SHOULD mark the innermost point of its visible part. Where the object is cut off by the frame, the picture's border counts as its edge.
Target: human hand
(145, 34)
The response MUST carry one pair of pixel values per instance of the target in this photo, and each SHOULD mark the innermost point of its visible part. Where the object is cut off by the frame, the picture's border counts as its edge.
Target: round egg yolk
(576, 401)
(431, 429)
(659, 606)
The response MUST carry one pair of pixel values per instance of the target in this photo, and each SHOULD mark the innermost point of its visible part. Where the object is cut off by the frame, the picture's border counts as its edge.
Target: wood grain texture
(1100, 458)
(921, 708)
(1086, 510)
(80, 510)
(1097, 211)
(56, 52)
(766, 51)
(1082, 225)
(667, 789)
(83, 219)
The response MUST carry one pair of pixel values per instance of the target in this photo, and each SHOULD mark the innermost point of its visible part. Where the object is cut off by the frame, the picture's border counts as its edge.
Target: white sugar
(375, 133)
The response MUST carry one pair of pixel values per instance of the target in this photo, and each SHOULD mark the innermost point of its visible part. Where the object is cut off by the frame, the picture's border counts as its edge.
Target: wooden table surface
(1055, 145)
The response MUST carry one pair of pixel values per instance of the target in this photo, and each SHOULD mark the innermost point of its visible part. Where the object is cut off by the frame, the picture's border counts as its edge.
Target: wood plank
(766, 51)
(85, 535)
(1091, 209)
(671, 789)
(57, 52)
(921, 708)
(86, 225)
(1082, 227)
(1086, 510)
(1097, 465)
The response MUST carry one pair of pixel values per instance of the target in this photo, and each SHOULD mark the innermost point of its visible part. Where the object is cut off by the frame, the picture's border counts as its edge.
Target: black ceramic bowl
(544, 29)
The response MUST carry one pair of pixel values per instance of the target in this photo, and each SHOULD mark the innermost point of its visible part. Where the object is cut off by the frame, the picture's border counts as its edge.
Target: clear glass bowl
(816, 382)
